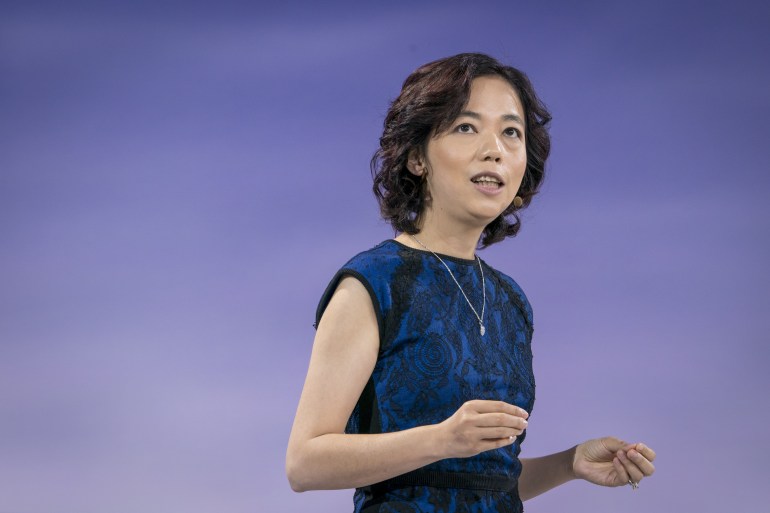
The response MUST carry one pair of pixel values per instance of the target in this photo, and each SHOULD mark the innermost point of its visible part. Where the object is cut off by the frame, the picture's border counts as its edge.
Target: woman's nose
(490, 149)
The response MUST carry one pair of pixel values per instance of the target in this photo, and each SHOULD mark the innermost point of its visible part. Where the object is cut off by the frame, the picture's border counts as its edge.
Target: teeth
(486, 179)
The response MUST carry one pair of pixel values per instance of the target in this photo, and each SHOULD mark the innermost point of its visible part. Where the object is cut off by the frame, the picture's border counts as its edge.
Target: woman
(420, 381)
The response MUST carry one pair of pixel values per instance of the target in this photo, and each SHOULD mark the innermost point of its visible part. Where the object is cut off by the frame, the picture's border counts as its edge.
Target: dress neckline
(455, 259)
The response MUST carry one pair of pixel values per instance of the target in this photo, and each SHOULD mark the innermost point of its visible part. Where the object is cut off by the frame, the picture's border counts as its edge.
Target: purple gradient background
(179, 181)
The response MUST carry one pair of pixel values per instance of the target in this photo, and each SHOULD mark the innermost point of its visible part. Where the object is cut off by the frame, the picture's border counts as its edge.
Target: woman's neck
(455, 243)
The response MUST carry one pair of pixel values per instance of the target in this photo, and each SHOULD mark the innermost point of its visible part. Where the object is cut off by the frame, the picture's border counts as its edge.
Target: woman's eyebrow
(513, 117)
(504, 117)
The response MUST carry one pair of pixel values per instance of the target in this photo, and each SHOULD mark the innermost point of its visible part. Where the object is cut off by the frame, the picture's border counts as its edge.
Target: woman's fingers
(481, 425)
(633, 472)
(486, 406)
(500, 419)
(499, 425)
(620, 469)
(496, 443)
(644, 464)
(642, 456)
(647, 452)
(491, 433)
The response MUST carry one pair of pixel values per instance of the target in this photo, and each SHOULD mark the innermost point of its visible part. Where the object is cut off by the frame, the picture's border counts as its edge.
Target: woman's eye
(512, 132)
(465, 128)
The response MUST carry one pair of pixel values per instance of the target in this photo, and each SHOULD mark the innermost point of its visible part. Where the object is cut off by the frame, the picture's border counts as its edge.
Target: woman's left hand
(611, 462)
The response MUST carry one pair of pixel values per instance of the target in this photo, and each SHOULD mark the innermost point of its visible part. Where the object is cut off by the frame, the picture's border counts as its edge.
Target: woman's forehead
(493, 95)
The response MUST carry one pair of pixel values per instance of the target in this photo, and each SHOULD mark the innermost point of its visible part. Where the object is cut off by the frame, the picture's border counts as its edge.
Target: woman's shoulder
(374, 268)
(384, 253)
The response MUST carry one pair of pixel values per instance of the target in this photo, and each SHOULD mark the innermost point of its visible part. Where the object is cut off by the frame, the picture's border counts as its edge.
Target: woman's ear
(415, 163)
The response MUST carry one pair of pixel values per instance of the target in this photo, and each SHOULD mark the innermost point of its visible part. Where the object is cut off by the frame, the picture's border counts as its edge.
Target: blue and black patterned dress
(432, 359)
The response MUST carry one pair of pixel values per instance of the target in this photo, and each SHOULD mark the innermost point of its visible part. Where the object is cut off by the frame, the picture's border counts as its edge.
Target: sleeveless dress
(432, 359)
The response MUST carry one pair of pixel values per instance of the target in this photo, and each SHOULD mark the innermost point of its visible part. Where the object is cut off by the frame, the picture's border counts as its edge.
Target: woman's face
(476, 166)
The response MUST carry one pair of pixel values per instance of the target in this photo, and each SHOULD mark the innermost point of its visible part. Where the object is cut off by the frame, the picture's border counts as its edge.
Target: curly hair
(431, 98)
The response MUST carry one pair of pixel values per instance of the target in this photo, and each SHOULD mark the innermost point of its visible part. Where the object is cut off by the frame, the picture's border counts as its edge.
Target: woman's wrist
(569, 463)
(436, 441)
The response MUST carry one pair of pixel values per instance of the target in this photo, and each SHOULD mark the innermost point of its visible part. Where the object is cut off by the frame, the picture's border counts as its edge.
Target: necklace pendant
(482, 329)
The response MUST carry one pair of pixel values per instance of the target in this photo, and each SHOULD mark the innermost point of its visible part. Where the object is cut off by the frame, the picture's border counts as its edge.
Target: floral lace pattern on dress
(432, 359)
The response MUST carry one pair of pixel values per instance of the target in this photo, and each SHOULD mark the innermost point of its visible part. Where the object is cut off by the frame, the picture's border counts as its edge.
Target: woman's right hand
(481, 425)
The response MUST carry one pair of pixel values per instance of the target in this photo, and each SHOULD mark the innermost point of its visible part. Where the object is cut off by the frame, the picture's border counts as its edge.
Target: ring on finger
(634, 484)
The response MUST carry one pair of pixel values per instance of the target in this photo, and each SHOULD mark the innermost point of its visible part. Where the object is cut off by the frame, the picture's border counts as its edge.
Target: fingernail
(526, 423)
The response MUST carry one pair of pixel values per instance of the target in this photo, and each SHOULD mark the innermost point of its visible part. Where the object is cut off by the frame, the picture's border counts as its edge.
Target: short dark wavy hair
(430, 100)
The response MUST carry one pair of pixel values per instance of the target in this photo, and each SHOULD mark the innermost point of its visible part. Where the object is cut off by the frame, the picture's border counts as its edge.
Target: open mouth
(487, 182)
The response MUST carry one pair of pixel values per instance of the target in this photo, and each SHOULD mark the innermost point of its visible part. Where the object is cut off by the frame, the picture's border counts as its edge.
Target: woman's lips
(488, 182)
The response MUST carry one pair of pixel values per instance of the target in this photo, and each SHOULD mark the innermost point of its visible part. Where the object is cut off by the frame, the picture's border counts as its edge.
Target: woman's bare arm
(538, 475)
(606, 461)
(345, 349)
(321, 456)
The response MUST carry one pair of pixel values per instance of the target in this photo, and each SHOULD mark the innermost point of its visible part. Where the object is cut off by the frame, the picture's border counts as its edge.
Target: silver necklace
(482, 329)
